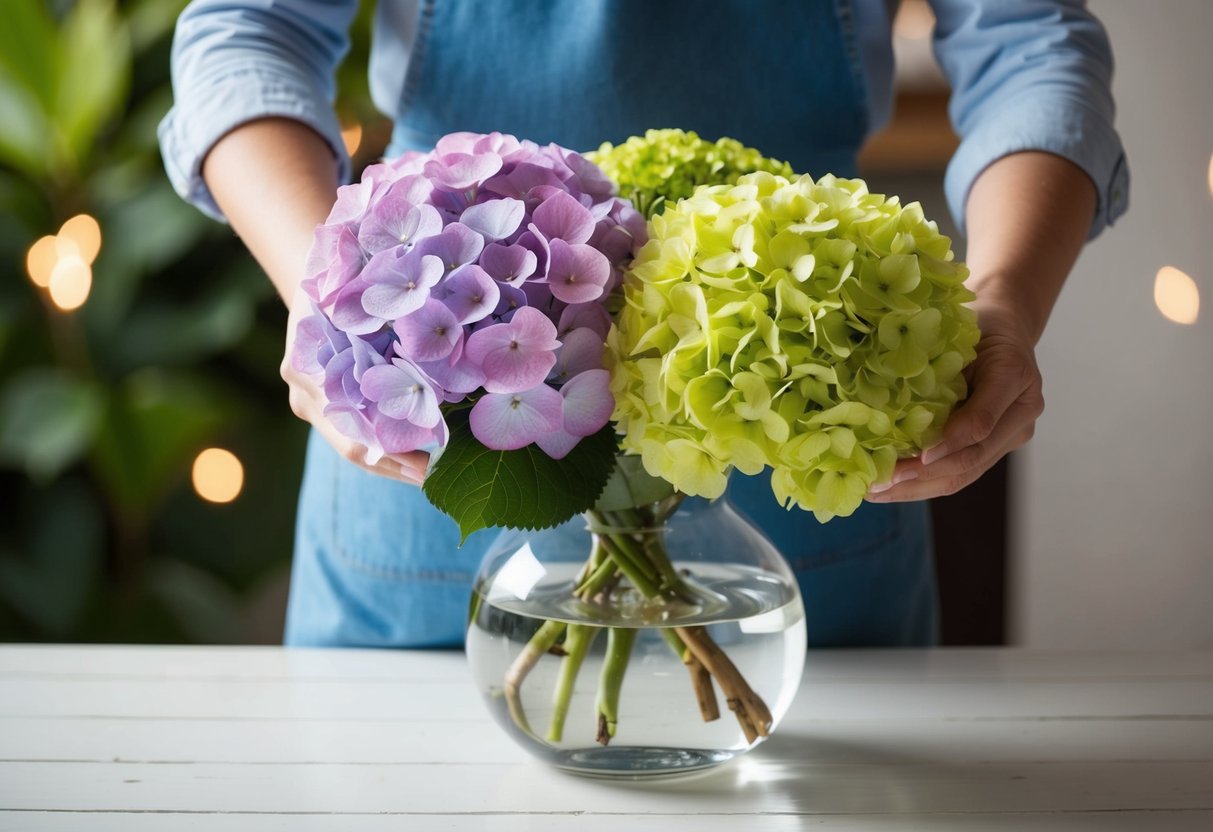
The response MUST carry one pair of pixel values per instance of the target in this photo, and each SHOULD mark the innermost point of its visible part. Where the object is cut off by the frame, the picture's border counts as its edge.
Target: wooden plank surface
(265, 738)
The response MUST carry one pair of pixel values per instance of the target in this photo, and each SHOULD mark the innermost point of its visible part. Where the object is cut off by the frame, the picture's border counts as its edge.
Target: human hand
(999, 416)
(308, 400)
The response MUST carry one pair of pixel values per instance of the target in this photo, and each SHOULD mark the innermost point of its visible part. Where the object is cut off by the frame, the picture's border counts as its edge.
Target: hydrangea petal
(469, 293)
(517, 355)
(508, 264)
(577, 273)
(562, 217)
(495, 219)
(508, 421)
(587, 402)
(402, 391)
(429, 333)
(400, 284)
(460, 171)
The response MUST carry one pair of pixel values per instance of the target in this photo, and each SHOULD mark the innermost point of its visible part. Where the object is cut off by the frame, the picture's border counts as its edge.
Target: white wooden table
(187, 738)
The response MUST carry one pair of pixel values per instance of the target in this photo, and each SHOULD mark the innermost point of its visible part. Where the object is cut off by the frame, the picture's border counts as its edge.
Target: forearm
(275, 180)
(1028, 215)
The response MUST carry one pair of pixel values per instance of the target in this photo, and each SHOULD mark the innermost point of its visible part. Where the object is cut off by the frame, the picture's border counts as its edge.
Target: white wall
(1113, 522)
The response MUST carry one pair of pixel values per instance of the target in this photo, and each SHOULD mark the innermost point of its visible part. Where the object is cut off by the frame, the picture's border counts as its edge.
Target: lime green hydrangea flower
(807, 326)
(667, 165)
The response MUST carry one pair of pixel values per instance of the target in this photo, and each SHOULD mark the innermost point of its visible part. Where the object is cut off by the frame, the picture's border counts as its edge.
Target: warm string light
(62, 263)
(218, 475)
(1176, 295)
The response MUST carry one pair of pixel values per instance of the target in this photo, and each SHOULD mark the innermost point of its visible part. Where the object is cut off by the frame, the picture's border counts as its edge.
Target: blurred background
(149, 463)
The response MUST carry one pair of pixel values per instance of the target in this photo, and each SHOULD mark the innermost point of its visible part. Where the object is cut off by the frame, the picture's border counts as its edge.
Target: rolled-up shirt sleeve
(233, 62)
(1030, 75)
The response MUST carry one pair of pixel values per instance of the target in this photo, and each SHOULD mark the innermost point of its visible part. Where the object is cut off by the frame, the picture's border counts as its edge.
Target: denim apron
(375, 564)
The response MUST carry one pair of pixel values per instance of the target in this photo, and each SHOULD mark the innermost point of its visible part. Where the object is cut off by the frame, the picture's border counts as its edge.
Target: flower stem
(751, 712)
(577, 643)
(620, 641)
(539, 644)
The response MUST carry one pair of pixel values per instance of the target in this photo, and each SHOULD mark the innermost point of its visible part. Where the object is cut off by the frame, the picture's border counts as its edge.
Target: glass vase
(657, 639)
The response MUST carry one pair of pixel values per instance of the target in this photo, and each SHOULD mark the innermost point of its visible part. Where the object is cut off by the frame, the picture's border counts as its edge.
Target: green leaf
(23, 139)
(94, 66)
(28, 48)
(156, 421)
(523, 489)
(47, 421)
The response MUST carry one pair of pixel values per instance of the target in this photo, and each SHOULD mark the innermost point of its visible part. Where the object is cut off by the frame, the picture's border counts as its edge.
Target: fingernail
(904, 476)
(884, 486)
(933, 453)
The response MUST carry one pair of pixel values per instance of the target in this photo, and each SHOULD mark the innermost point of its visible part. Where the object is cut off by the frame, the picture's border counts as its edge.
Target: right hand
(308, 400)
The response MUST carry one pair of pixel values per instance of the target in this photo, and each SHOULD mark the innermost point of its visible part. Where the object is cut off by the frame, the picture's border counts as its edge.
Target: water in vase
(756, 619)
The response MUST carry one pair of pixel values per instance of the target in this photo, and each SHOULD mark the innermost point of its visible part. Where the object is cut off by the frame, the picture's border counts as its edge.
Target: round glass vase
(660, 640)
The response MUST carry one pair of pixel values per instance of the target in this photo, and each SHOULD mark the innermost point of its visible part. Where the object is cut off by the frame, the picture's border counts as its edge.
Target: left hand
(999, 416)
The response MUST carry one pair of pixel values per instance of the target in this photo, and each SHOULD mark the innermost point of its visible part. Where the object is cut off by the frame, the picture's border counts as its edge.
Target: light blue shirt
(1025, 75)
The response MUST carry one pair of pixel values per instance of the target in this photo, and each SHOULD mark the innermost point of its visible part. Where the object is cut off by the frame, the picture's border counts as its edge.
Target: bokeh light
(70, 282)
(218, 475)
(1176, 295)
(352, 136)
(41, 260)
(85, 233)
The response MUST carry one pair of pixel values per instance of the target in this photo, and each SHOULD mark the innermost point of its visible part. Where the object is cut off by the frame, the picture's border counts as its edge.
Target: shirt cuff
(188, 134)
(1065, 128)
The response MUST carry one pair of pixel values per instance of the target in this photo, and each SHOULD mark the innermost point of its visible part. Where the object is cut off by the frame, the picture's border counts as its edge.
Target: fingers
(1000, 417)
(915, 481)
(307, 400)
(976, 420)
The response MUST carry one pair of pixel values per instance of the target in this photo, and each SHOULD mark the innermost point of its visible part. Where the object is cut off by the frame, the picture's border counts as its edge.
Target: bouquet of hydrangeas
(497, 304)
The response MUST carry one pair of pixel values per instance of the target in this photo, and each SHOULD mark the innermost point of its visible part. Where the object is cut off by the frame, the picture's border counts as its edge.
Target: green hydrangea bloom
(807, 326)
(667, 165)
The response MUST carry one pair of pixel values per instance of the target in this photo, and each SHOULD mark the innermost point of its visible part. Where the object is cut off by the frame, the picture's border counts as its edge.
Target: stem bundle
(628, 546)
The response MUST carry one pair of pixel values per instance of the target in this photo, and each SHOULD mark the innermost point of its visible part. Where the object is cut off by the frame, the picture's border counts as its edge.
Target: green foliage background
(102, 411)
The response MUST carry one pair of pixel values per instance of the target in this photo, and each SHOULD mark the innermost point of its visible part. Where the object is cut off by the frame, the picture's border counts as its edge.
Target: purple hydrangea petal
(508, 264)
(402, 391)
(534, 241)
(587, 176)
(366, 354)
(588, 403)
(456, 246)
(578, 273)
(399, 285)
(580, 350)
(457, 378)
(351, 203)
(352, 422)
(562, 217)
(348, 313)
(516, 355)
(557, 443)
(461, 141)
(400, 437)
(429, 333)
(506, 422)
(460, 171)
(310, 336)
(495, 219)
(395, 222)
(334, 260)
(592, 316)
(519, 182)
(512, 299)
(469, 293)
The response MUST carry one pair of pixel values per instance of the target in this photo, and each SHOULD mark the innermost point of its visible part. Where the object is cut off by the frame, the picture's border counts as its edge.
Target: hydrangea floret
(663, 166)
(808, 326)
(473, 275)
